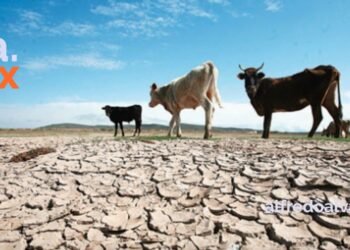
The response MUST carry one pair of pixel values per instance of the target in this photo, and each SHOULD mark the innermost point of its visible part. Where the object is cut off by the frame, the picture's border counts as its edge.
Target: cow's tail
(340, 107)
(214, 74)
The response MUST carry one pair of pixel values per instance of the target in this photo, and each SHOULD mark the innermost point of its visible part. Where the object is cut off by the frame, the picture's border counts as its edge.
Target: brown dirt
(33, 153)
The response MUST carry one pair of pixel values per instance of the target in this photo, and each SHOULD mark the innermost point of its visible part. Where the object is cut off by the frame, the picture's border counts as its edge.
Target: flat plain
(98, 192)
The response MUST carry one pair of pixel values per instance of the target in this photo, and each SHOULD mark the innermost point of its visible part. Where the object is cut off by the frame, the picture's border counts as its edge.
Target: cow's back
(307, 77)
(299, 89)
(195, 81)
(127, 113)
(187, 91)
(200, 73)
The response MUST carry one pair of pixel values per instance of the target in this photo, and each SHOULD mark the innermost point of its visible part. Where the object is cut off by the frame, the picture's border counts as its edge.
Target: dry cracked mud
(180, 194)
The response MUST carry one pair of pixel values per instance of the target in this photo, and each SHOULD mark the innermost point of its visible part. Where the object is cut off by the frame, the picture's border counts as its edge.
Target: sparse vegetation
(154, 132)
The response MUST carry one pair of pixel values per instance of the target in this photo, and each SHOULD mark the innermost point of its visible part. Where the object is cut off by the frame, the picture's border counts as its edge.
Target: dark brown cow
(315, 87)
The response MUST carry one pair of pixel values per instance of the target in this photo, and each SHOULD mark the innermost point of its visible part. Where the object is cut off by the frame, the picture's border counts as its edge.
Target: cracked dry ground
(186, 194)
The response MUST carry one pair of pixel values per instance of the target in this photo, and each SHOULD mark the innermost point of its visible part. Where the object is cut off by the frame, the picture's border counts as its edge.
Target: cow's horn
(262, 65)
(240, 67)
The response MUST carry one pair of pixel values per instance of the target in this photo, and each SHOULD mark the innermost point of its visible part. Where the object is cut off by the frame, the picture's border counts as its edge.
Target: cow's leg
(121, 127)
(178, 126)
(212, 112)
(333, 110)
(171, 126)
(115, 129)
(346, 130)
(317, 115)
(137, 127)
(267, 125)
(208, 108)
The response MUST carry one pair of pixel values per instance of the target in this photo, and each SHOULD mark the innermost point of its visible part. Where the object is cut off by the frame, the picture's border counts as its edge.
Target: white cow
(197, 88)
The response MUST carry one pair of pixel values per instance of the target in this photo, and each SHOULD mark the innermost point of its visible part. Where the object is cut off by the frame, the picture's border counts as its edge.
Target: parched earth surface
(97, 193)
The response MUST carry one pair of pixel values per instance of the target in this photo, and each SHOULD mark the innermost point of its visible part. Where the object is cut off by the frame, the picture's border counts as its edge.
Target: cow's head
(154, 96)
(252, 78)
(108, 110)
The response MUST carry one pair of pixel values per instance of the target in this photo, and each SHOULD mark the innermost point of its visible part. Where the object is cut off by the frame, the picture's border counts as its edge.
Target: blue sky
(77, 55)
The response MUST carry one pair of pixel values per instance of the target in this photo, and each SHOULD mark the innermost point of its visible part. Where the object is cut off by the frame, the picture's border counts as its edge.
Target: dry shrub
(25, 156)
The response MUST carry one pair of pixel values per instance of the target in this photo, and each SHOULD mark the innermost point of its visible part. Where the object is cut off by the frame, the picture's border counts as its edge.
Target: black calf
(125, 114)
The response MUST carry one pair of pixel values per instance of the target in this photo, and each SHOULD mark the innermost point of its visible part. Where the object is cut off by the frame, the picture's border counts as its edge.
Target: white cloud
(202, 13)
(108, 46)
(71, 28)
(114, 8)
(148, 27)
(31, 22)
(239, 115)
(32, 18)
(221, 2)
(150, 18)
(237, 14)
(28, 22)
(273, 5)
(88, 60)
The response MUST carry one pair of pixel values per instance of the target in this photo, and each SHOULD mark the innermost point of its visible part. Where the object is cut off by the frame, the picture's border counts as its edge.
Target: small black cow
(125, 114)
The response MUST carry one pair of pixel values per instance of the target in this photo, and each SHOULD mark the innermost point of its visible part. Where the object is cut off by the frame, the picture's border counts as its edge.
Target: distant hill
(74, 126)
(185, 126)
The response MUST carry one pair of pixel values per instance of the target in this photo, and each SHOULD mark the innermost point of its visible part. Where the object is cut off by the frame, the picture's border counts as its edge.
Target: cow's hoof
(178, 136)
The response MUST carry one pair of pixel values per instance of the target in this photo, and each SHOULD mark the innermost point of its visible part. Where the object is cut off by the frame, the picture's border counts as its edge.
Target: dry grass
(155, 134)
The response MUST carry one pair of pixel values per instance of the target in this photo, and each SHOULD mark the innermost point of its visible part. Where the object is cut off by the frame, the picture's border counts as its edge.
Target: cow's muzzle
(251, 94)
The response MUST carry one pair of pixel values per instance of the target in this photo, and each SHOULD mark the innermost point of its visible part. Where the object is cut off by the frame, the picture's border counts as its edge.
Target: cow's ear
(104, 107)
(241, 76)
(260, 75)
(154, 86)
